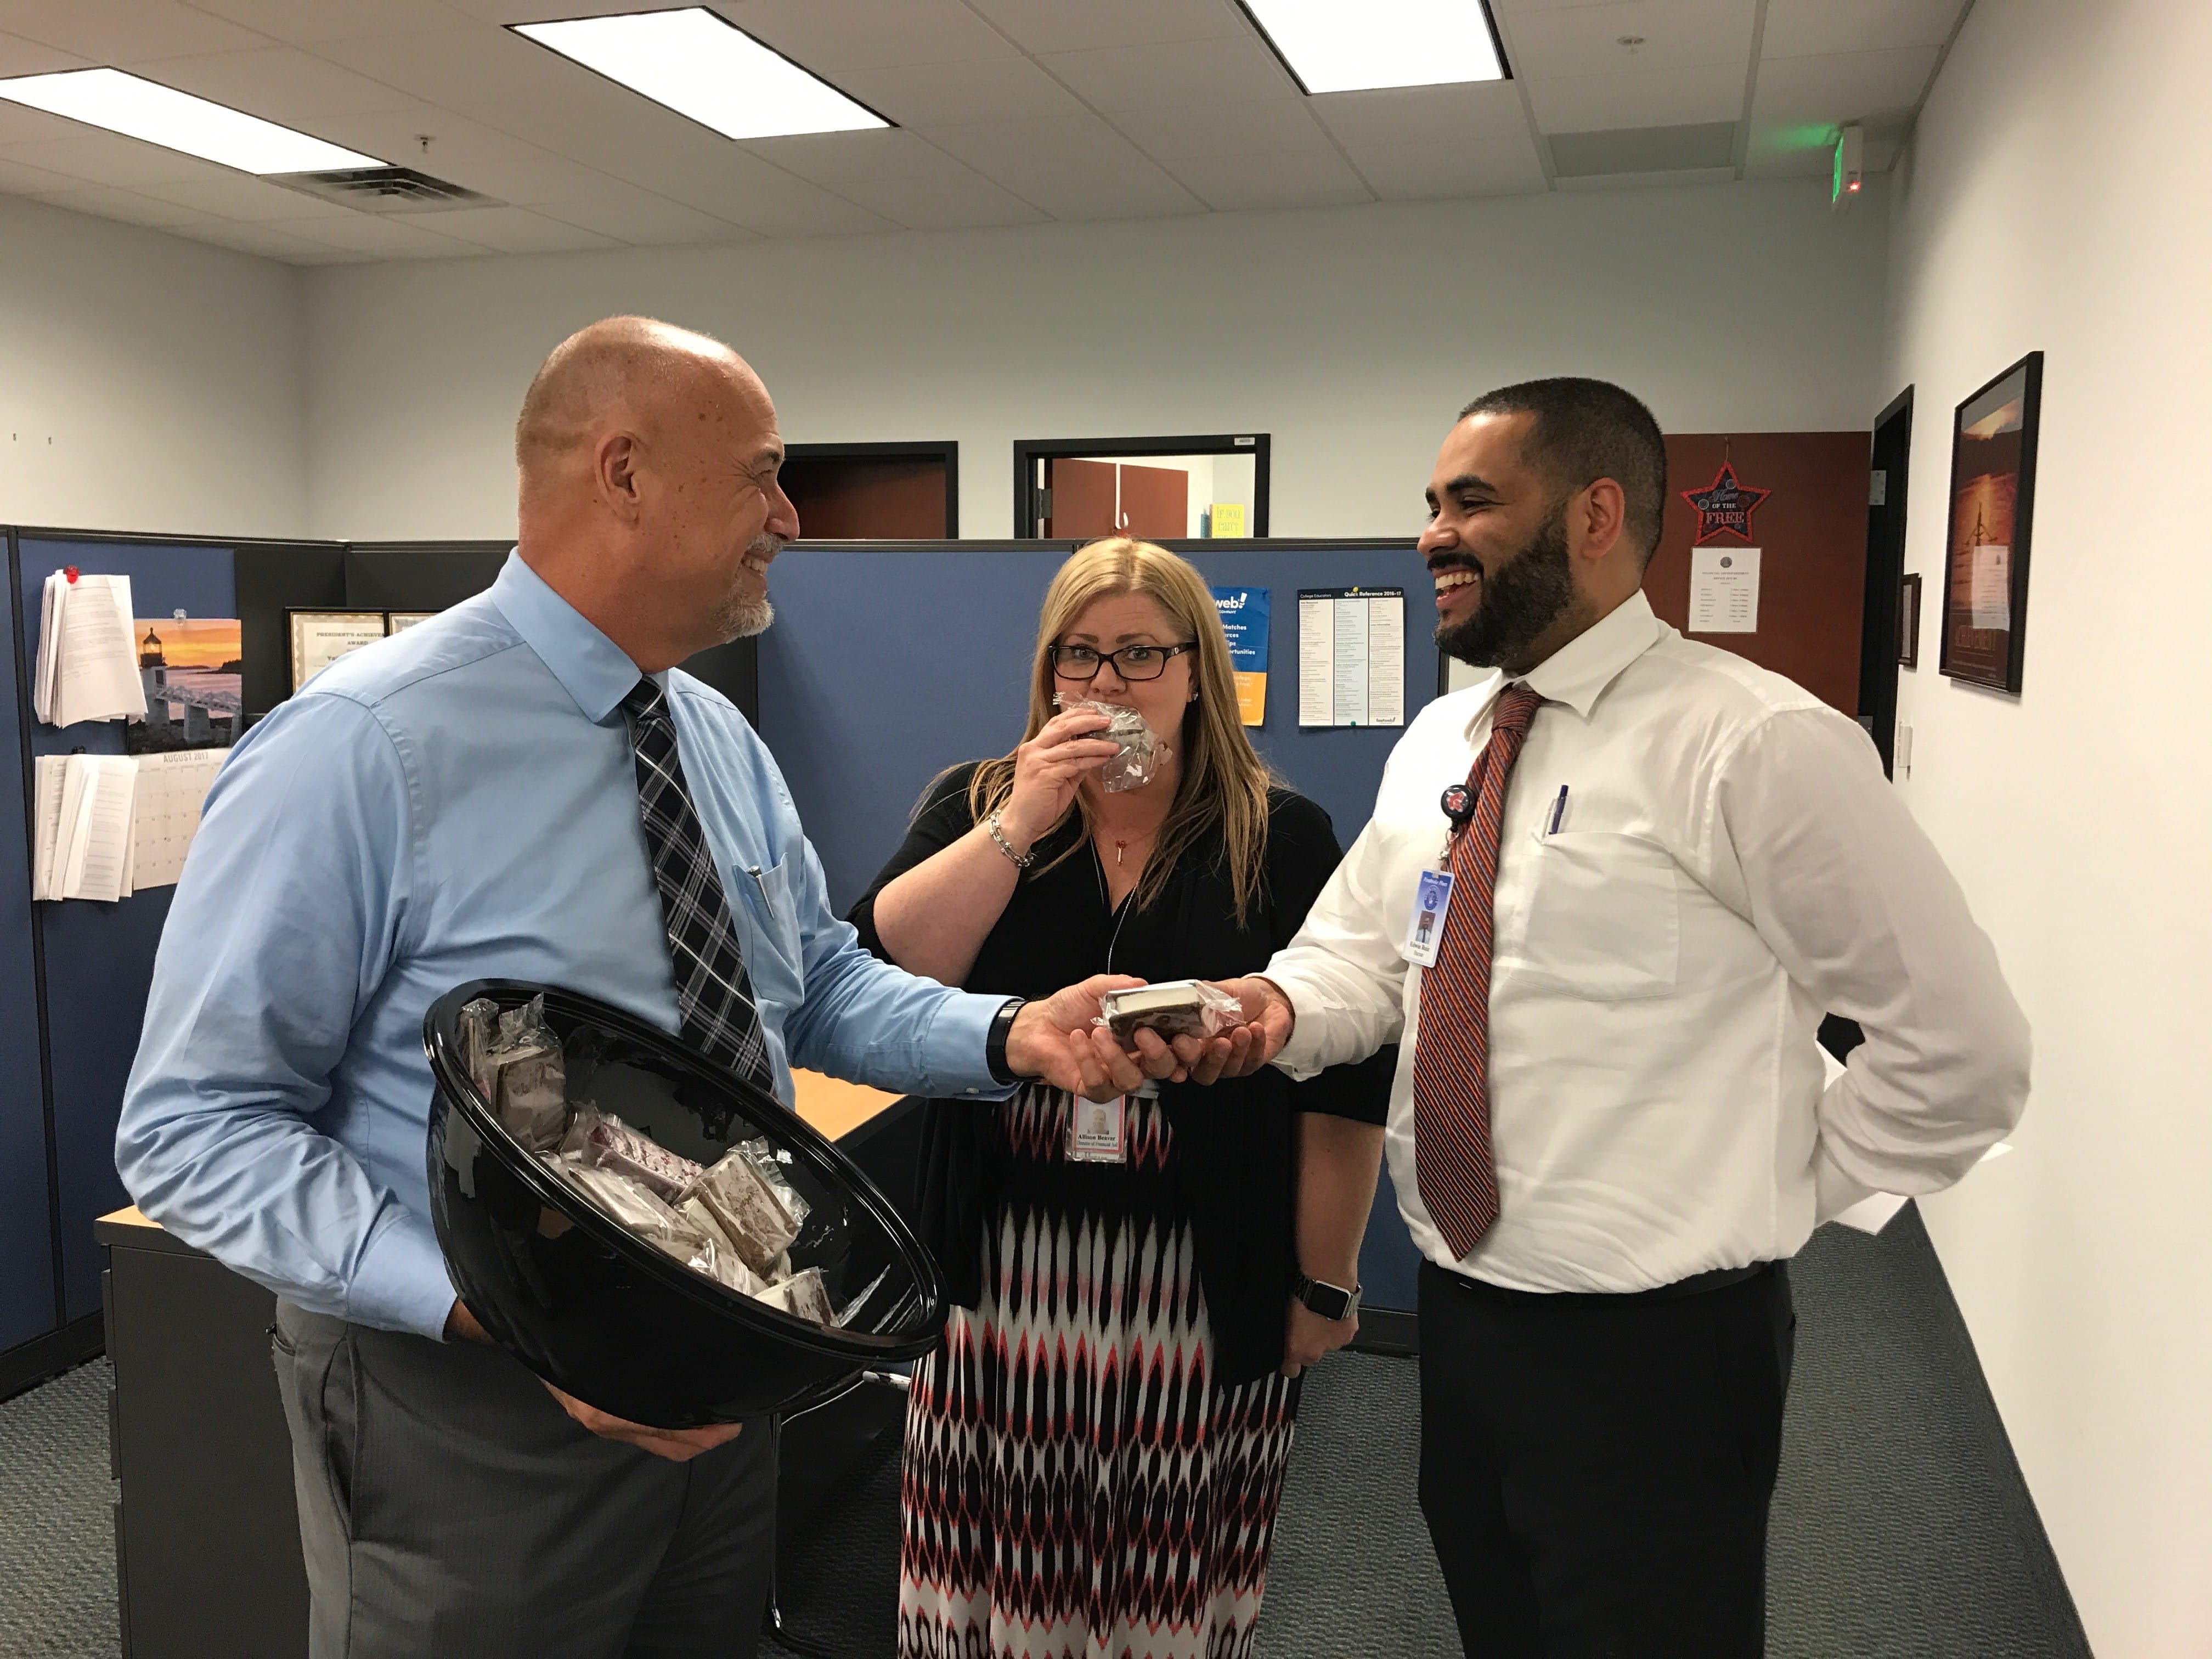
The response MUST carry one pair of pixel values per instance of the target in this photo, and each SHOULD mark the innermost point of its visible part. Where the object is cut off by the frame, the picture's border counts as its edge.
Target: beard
(742, 615)
(1521, 598)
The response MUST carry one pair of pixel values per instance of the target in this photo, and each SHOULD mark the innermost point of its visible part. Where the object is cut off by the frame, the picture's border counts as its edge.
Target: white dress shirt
(1730, 865)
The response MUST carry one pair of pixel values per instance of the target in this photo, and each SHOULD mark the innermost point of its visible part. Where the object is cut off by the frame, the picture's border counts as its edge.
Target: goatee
(1521, 598)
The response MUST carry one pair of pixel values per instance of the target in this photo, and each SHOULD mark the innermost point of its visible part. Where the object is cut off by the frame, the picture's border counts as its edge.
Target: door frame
(1029, 453)
(945, 450)
(1885, 573)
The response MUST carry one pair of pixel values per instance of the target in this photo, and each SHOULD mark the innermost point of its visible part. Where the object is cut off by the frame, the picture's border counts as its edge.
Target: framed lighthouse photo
(1993, 438)
(193, 670)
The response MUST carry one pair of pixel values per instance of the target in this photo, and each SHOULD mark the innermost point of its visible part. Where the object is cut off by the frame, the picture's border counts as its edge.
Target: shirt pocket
(775, 960)
(1603, 918)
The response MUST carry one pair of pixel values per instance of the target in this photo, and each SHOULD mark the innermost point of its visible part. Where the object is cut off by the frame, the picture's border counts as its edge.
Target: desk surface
(832, 1107)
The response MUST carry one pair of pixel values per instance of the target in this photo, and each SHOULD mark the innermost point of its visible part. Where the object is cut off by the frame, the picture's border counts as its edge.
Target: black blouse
(1235, 1152)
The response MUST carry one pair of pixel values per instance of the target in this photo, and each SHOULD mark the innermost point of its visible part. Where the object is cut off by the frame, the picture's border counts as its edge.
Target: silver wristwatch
(1330, 1302)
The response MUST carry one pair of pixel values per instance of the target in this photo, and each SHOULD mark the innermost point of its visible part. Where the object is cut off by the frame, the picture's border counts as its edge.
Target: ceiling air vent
(1642, 150)
(383, 189)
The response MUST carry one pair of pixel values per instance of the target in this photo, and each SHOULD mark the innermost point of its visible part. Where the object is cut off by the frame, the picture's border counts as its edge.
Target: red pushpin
(69, 571)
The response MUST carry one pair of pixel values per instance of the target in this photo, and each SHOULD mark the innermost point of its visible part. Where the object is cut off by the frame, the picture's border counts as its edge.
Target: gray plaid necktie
(714, 997)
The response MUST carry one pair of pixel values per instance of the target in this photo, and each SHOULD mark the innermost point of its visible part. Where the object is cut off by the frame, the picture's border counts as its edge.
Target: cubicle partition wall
(74, 975)
(890, 662)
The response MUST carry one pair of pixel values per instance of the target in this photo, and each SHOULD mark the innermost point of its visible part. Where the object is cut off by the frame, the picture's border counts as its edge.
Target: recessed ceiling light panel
(176, 120)
(1336, 46)
(702, 66)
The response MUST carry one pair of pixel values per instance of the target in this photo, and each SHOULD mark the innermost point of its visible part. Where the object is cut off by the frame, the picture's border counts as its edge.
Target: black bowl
(603, 1314)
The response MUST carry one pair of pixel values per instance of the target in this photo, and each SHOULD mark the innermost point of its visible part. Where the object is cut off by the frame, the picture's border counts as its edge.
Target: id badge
(1097, 1132)
(1424, 928)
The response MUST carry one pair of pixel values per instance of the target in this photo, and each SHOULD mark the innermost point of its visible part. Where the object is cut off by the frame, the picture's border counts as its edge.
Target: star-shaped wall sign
(1725, 506)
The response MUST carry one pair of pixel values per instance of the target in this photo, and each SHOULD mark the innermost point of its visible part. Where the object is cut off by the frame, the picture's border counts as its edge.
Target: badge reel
(1432, 893)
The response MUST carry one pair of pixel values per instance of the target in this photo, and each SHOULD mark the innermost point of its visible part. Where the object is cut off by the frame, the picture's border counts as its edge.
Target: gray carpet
(1901, 1528)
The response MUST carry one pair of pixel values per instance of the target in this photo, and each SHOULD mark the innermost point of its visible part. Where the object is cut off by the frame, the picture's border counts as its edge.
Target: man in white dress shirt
(1609, 1129)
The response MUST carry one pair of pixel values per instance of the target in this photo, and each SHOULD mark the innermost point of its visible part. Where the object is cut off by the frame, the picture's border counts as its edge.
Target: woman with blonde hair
(1095, 1454)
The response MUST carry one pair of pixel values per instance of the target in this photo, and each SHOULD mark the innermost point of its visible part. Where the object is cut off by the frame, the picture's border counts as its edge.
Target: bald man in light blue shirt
(459, 802)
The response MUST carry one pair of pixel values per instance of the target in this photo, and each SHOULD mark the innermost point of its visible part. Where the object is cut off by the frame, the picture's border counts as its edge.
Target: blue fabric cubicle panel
(886, 665)
(98, 958)
(27, 1264)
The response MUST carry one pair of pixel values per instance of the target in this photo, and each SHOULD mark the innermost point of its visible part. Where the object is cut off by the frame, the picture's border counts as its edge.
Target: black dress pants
(1595, 1470)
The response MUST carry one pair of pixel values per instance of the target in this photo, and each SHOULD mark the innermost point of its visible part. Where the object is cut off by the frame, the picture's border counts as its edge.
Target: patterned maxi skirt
(1076, 1484)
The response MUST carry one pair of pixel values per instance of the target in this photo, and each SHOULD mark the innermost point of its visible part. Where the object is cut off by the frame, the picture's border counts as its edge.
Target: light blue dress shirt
(458, 802)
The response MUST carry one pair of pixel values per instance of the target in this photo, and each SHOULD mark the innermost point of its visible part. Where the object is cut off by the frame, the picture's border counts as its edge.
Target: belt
(1720, 1278)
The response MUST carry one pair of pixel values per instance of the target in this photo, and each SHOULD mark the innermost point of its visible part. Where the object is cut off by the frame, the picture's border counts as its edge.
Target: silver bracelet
(1019, 861)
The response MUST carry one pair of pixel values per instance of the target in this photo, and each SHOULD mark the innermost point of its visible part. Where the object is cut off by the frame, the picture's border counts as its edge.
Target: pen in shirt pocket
(761, 882)
(1558, 812)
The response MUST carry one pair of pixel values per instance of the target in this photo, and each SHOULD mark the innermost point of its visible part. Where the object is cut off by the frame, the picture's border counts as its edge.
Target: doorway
(1155, 489)
(874, 492)
(1884, 645)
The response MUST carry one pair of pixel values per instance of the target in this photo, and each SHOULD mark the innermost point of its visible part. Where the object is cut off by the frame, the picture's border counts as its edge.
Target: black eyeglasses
(1131, 662)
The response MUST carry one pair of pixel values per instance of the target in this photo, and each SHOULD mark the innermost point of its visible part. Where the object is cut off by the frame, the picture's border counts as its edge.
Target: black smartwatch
(995, 1044)
(1330, 1302)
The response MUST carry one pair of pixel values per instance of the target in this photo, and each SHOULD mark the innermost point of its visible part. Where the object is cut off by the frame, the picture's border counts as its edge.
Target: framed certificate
(401, 621)
(320, 638)
(1908, 621)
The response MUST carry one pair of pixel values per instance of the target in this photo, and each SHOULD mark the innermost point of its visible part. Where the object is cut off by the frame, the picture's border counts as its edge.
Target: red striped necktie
(1452, 1160)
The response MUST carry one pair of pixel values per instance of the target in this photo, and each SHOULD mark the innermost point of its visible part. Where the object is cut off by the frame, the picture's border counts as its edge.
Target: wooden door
(1083, 499)
(1811, 531)
(1155, 502)
(862, 497)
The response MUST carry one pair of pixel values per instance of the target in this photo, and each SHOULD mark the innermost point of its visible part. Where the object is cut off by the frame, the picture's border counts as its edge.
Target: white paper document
(171, 789)
(85, 810)
(1989, 587)
(1351, 656)
(1723, 590)
(88, 661)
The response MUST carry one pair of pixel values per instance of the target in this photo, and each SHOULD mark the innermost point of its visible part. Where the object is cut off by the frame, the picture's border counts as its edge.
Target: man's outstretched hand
(1244, 1048)
(1057, 1038)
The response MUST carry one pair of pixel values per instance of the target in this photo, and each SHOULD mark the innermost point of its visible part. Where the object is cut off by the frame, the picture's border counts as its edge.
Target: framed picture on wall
(1993, 437)
(320, 638)
(1908, 621)
(398, 622)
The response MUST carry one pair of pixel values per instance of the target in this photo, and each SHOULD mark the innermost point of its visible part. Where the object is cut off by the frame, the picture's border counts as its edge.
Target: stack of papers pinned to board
(113, 825)
(87, 666)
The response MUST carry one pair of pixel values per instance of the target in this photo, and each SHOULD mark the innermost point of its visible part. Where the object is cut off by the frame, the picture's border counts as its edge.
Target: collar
(1579, 670)
(592, 668)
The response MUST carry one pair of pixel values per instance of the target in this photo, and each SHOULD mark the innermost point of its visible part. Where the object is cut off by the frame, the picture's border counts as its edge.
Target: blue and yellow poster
(1245, 619)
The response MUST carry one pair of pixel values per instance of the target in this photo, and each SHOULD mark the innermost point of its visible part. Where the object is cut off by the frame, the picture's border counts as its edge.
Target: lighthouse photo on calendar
(192, 671)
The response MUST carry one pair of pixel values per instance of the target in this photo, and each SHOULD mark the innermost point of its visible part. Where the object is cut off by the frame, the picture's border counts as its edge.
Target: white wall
(2054, 198)
(146, 382)
(1352, 335)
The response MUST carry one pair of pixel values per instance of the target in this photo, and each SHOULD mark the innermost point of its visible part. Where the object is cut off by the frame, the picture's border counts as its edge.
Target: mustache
(1440, 563)
(766, 544)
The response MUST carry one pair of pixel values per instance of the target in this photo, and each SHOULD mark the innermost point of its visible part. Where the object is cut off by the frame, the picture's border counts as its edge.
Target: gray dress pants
(449, 1509)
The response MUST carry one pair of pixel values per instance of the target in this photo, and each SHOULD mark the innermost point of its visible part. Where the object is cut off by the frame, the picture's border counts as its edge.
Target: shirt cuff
(1300, 1056)
(1833, 1190)
(953, 1064)
(400, 1284)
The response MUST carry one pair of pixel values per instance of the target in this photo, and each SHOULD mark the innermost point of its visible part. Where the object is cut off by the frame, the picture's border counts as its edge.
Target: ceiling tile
(22, 125)
(741, 188)
(1426, 172)
(1423, 115)
(380, 235)
(22, 57)
(261, 239)
(245, 199)
(17, 179)
(124, 31)
(837, 159)
(455, 67)
(1078, 25)
(108, 202)
(1226, 129)
(1676, 33)
(278, 83)
(304, 21)
(471, 154)
(1645, 98)
(832, 36)
(1231, 184)
(1806, 29)
(509, 230)
(994, 89)
(1789, 150)
(1843, 87)
(107, 158)
(1079, 168)
(647, 220)
(960, 202)
(1235, 68)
